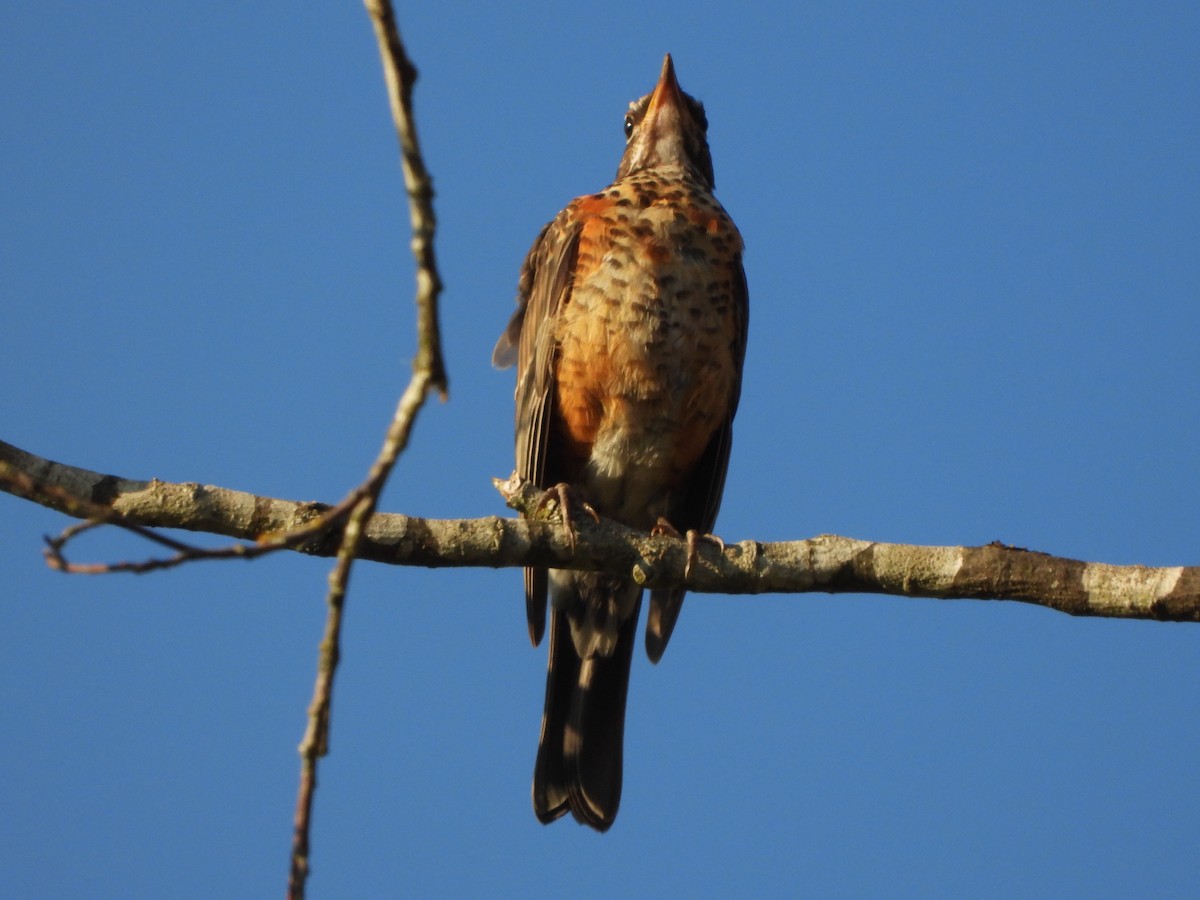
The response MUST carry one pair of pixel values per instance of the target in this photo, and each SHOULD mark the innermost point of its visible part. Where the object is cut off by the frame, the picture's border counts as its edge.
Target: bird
(629, 339)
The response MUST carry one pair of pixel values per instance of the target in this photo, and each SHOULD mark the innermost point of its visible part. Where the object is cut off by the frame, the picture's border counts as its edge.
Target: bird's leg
(693, 538)
(568, 498)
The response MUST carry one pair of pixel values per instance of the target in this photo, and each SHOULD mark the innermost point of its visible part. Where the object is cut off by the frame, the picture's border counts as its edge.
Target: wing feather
(529, 340)
(700, 498)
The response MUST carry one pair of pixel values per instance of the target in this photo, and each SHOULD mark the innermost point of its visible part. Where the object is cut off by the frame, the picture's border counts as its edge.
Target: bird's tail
(579, 756)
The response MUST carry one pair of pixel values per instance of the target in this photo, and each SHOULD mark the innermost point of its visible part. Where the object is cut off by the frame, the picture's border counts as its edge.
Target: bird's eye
(628, 127)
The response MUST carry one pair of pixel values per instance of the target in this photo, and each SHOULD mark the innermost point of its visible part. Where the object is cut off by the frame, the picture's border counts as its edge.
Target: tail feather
(665, 604)
(579, 761)
(549, 772)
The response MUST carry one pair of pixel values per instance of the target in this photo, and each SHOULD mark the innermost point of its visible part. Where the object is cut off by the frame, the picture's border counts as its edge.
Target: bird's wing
(699, 499)
(543, 289)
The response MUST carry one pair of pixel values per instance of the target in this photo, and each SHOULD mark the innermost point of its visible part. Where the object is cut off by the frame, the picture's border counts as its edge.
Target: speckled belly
(645, 370)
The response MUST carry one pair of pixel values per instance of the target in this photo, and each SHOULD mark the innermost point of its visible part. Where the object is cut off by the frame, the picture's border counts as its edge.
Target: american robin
(628, 338)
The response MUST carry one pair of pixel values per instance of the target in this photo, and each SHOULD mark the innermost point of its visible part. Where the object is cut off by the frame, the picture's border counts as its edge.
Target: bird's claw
(568, 500)
(693, 539)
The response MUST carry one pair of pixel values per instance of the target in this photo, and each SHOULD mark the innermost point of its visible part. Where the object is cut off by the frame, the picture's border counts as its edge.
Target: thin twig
(184, 553)
(428, 373)
(400, 76)
(22, 484)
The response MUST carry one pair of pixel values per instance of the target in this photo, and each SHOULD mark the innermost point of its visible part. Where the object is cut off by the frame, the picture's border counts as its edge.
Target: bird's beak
(667, 91)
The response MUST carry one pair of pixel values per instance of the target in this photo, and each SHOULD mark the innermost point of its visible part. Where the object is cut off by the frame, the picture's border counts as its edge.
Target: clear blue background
(973, 237)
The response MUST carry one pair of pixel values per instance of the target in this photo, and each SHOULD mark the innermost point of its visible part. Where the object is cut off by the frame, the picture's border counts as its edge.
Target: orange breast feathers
(645, 341)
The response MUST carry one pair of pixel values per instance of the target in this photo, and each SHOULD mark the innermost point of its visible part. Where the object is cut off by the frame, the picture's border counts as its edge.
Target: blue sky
(973, 238)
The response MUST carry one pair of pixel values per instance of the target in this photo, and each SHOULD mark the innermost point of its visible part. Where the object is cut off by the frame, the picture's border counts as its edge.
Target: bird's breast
(645, 367)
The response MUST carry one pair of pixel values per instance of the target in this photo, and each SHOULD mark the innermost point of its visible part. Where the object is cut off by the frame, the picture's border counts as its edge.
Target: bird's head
(666, 128)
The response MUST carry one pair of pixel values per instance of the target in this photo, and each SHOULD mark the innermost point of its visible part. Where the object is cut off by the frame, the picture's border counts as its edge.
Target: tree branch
(429, 372)
(400, 75)
(823, 564)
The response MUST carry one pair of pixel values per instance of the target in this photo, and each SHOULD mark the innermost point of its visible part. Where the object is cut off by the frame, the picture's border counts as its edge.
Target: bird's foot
(693, 538)
(568, 500)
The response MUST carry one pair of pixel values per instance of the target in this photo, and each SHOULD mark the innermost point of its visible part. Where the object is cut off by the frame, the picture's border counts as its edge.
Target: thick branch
(827, 563)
